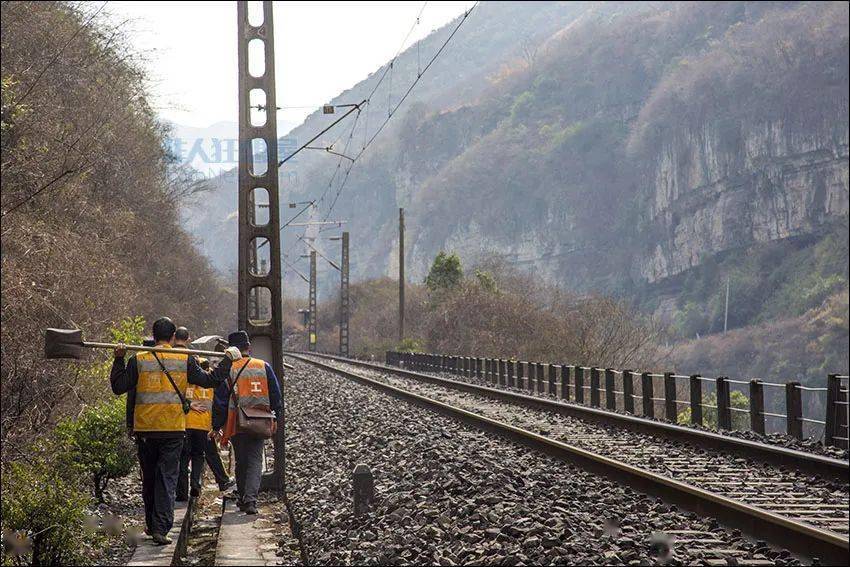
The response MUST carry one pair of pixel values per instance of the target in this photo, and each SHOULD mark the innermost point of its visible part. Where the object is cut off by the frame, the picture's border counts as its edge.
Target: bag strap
(170, 379)
(238, 374)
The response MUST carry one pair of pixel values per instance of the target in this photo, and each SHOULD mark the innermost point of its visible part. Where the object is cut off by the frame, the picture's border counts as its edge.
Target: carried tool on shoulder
(69, 343)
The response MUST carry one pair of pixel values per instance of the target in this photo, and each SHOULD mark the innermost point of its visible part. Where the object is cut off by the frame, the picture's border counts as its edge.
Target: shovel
(69, 343)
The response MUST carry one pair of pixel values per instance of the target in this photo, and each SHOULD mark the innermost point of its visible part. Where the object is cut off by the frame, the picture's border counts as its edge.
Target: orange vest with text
(251, 390)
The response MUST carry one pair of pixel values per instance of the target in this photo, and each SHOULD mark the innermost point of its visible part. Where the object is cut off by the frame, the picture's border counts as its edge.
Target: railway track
(804, 461)
(786, 505)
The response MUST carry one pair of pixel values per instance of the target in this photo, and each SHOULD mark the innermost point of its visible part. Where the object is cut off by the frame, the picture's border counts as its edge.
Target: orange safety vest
(158, 407)
(251, 391)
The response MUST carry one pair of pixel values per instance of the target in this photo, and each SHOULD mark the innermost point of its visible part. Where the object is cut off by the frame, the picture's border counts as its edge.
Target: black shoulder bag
(183, 401)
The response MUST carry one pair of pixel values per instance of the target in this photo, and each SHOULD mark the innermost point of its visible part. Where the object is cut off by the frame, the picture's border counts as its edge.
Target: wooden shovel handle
(208, 353)
(176, 350)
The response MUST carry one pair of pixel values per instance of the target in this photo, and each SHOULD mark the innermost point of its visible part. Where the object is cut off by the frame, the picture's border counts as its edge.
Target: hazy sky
(321, 48)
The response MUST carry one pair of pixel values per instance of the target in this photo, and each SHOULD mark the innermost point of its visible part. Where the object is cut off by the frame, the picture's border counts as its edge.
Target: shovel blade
(63, 343)
(208, 342)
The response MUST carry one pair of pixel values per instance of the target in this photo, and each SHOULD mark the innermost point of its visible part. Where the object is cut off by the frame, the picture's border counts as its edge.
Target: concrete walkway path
(149, 554)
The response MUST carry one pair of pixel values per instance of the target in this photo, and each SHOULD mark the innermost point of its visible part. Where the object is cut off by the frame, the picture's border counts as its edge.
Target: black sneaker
(250, 509)
(195, 492)
(227, 484)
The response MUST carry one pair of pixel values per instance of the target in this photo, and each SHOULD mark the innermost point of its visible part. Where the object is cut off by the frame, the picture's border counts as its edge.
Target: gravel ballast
(448, 494)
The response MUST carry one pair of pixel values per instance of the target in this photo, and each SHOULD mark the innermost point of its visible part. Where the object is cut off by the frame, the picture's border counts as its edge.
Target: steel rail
(783, 532)
(809, 463)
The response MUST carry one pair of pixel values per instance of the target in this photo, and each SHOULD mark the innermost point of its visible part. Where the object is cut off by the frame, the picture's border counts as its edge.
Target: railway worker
(198, 425)
(198, 445)
(247, 407)
(159, 419)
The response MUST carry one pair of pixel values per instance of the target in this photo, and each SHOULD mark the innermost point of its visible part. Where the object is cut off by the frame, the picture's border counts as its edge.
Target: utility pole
(726, 310)
(311, 329)
(259, 297)
(401, 274)
(343, 299)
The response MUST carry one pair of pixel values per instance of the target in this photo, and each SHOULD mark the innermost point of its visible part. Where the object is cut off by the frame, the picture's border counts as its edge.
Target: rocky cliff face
(712, 191)
(610, 148)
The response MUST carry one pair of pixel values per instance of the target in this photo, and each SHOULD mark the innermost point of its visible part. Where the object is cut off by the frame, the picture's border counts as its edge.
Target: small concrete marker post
(363, 488)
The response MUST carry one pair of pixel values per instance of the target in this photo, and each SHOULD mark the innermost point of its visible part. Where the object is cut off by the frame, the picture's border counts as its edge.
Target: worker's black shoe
(195, 492)
(160, 539)
(182, 498)
(229, 483)
(250, 509)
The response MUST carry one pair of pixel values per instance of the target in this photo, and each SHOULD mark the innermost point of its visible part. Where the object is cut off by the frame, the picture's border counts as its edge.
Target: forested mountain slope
(649, 150)
(90, 227)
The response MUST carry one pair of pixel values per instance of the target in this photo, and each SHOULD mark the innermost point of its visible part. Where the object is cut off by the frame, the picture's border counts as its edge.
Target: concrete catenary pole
(311, 329)
(259, 296)
(401, 275)
(343, 299)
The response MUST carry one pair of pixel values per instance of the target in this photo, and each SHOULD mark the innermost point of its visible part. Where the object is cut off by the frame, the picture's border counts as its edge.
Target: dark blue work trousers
(160, 466)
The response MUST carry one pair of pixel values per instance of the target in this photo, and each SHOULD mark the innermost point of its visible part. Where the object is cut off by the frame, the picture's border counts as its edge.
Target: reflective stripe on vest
(158, 398)
(252, 390)
(203, 398)
(158, 407)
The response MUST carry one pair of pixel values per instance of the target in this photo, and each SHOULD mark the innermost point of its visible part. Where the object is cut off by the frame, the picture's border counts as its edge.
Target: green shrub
(48, 511)
(130, 330)
(410, 345)
(709, 415)
(96, 444)
(445, 273)
(486, 281)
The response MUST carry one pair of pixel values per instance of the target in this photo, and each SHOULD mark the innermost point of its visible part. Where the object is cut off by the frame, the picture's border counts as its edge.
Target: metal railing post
(696, 399)
(647, 394)
(794, 410)
(670, 397)
(757, 406)
(628, 391)
(724, 414)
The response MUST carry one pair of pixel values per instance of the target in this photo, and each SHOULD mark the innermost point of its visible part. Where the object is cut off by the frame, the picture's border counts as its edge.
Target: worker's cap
(238, 339)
